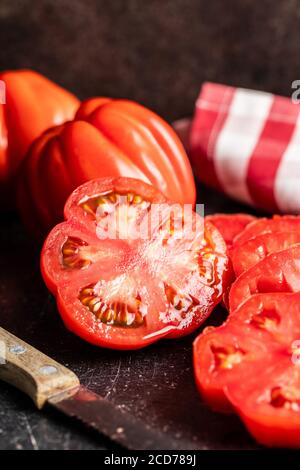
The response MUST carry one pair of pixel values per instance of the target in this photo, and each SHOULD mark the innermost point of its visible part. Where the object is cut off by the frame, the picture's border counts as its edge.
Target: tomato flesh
(123, 283)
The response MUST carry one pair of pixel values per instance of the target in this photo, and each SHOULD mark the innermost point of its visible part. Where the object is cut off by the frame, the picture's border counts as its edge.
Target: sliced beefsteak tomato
(230, 225)
(252, 364)
(33, 103)
(129, 267)
(278, 272)
(109, 138)
(247, 254)
(222, 355)
(270, 406)
(285, 223)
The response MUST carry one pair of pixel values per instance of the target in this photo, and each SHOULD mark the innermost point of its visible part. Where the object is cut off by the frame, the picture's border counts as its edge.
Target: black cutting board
(155, 384)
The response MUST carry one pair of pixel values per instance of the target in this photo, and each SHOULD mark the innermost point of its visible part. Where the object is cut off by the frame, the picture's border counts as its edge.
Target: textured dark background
(157, 52)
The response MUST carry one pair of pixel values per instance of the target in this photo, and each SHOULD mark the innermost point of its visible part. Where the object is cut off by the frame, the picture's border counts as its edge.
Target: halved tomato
(246, 255)
(129, 267)
(284, 223)
(278, 272)
(230, 225)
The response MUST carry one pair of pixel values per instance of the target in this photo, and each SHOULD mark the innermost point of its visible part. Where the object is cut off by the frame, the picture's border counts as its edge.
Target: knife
(49, 383)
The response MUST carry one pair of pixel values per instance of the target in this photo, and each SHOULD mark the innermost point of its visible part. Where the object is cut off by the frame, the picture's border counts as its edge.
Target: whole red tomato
(108, 138)
(33, 103)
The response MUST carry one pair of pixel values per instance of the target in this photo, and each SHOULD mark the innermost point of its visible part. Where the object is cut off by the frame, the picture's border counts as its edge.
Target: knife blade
(49, 383)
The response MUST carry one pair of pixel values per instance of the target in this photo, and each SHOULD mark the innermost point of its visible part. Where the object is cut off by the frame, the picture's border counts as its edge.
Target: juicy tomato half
(278, 272)
(247, 254)
(129, 267)
(285, 223)
(260, 340)
(230, 225)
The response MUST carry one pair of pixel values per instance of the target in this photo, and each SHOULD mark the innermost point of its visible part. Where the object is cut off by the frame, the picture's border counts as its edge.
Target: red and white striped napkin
(247, 144)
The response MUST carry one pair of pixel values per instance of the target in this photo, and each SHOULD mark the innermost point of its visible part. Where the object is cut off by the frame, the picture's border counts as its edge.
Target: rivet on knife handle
(31, 371)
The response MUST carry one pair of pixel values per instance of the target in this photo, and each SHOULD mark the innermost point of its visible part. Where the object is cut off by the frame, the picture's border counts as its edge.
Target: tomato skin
(249, 253)
(33, 103)
(175, 282)
(108, 138)
(230, 225)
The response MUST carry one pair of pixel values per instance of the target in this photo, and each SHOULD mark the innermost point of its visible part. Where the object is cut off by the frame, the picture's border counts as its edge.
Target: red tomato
(252, 363)
(270, 406)
(285, 223)
(247, 254)
(110, 138)
(122, 283)
(33, 103)
(222, 355)
(230, 225)
(278, 272)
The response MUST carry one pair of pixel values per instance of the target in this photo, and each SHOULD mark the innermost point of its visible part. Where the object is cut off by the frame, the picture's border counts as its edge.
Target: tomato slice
(129, 267)
(228, 359)
(230, 225)
(285, 223)
(278, 272)
(222, 355)
(270, 406)
(246, 255)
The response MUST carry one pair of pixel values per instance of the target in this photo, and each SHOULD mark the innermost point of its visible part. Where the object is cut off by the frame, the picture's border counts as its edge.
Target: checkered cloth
(246, 144)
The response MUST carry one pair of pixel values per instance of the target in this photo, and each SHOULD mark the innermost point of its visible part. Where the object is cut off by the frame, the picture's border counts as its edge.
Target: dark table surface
(155, 384)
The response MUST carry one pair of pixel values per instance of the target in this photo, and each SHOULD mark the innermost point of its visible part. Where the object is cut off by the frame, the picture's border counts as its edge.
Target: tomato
(124, 282)
(278, 272)
(252, 364)
(270, 406)
(33, 103)
(222, 355)
(230, 225)
(285, 223)
(109, 138)
(247, 254)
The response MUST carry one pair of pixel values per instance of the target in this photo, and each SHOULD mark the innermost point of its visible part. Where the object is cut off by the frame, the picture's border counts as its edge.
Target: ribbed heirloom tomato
(129, 267)
(109, 138)
(33, 103)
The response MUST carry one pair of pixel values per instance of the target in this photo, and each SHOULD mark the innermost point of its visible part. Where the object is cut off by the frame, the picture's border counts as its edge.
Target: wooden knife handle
(32, 371)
